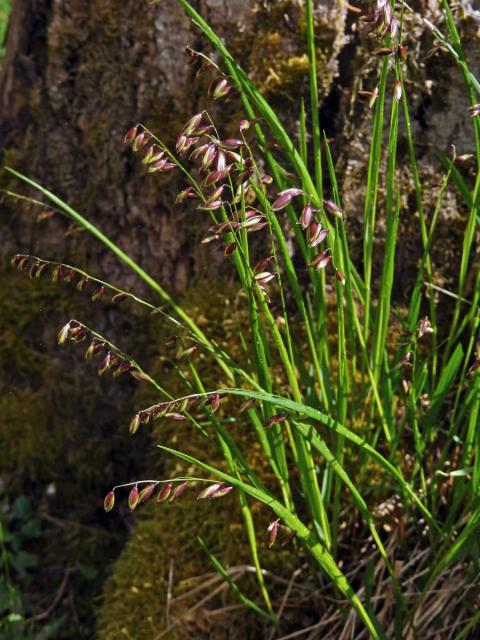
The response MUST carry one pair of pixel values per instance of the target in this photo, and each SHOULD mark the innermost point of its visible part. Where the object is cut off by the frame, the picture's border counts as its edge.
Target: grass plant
(333, 397)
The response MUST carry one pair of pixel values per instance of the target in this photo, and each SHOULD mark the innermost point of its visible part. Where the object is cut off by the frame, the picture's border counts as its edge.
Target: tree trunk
(76, 76)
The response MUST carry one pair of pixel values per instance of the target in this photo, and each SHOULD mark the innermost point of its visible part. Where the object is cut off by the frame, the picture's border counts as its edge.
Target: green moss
(164, 540)
(25, 423)
(164, 536)
(281, 26)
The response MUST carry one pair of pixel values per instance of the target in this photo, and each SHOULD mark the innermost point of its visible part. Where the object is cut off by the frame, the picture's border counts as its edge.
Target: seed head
(229, 249)
(393, 27)
(82, 284)
(64, 333)
(475, 366)
(131, 135)
(205, 66)
(192, 124)
(157, 157)
(79, 335)
(146, 493)
(178, 417)
(233, 156)
(306, 216)
(244, 125)
(284, 198)
(90, 352)
(230, 144)
(185, 195)
(249, 404)
(264, 277)
(123, 367)
(141, 140)
(424, 327)
(105, 364)
(209, 491)
(15, 261)
(41, 270)
(178, 491)
(406, 360)
(56, 273)
(398, 91)
(134, 424)
(223, 490)
(140, 375)
(219, 89)
(147, 158)
(109, 501)
(262, 265)
(272, 533)
(183, 144)
(23, 264)
(333, 208)
(45, 214)
(276, 419)
(315, 234)
(321, 261)
(383, 51)
(133, 497)
(165, 491)
(214, 402)
(212, 206)
(216, 490)
(215, 176)
(209, 156)
(221, 161)
(98, 294)
(373, 98)
(199, 151)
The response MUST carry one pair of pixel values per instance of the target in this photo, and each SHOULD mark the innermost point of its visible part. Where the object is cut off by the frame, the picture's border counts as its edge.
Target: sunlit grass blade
(371, 194)
(416, 299)
(447, 378)
(342, 263)
(449, 551)
(386, 281)
(459, 182)
(469, 234)
(317, 416)
(124, 257)
(217, 565)
(245, 85)
(303, 534)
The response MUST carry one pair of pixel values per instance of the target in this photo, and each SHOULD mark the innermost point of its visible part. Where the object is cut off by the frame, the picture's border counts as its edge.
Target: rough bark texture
(76, 76)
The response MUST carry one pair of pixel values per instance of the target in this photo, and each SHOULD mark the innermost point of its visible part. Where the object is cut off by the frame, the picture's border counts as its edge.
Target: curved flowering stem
(19, 196)
(153, 284)
(233, 585)
(309, 539)
(158, 482)
(103, 283)
(19, 260)
(173, 158)
(69, 331)
(306, 411)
